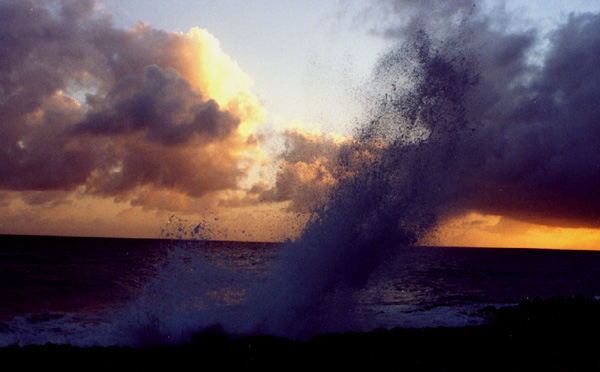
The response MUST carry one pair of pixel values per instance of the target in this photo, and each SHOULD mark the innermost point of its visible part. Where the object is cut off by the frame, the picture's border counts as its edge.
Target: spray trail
(388, 204)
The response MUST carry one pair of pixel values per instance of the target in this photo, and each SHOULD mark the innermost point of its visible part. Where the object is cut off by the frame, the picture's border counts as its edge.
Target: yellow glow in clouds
(215, 75)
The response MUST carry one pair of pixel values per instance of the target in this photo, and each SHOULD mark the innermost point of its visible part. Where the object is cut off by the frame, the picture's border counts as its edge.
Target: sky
(146, 118)
(305, 58)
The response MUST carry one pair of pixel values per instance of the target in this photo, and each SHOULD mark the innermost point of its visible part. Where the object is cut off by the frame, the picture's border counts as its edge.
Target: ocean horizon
(104, 291)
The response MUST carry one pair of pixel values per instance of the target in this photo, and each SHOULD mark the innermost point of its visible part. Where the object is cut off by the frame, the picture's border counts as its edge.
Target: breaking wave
(388, 203)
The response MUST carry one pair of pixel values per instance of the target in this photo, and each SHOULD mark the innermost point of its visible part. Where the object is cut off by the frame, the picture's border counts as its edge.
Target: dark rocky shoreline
(557, 334)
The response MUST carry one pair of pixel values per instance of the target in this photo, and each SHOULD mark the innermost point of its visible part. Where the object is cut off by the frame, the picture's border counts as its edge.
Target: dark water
(39, 274)
(106, 291)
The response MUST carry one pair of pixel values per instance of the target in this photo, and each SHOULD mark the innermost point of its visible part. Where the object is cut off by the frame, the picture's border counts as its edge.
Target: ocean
(142, 292)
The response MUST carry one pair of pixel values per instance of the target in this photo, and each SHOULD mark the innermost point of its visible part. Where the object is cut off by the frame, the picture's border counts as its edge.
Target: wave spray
(388, 202)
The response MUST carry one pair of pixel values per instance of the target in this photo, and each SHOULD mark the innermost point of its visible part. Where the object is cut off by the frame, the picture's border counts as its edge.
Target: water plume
(390, 203)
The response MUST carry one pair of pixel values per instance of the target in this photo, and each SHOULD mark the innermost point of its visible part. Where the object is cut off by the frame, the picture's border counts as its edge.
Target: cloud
(163, 106)
(400, 18)
(537, 142)
(311, 166)
(515, 112)
(118, 112)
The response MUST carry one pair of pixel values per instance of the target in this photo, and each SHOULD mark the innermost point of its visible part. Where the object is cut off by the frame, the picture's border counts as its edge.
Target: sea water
(142, 292)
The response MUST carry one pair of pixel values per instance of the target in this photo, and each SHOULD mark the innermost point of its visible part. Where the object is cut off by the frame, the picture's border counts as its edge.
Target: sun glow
(481, 230)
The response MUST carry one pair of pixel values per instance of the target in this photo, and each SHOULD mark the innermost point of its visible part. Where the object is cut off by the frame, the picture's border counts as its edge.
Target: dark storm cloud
(163, 105)
(141, 123)
(539, 140)
(531, 147)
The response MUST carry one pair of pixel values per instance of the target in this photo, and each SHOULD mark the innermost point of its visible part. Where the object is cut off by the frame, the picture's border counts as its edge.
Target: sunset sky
(128, 118)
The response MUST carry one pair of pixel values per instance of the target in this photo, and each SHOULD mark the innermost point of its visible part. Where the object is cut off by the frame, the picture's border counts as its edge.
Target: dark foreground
(550, 335)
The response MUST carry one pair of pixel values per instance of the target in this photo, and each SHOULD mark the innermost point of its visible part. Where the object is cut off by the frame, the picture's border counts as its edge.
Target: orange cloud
(148, 120)
(313, 163)
(162, 110)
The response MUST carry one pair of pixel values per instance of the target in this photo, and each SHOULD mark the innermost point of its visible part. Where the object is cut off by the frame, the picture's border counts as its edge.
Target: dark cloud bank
(536, 152)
